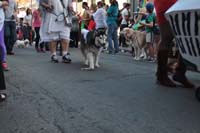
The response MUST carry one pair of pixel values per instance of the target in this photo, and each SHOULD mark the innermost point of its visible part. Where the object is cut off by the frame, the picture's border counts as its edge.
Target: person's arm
(3, 3)
(15, 11)
(139, 13)
(147, 24)
(104, 19)
(46, 6)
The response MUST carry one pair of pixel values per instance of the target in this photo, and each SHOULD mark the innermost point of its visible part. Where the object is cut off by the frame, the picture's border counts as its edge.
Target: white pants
(84, 32)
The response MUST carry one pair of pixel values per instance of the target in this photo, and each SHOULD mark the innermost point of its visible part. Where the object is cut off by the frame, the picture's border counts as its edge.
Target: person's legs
(54, 57)
(110, 38)
(46, 45)
(180, 76)
(13, 35)
(2, 85)
(7, 35)
(25, 30)
(156, 44)
(84, 32)
(65, 36)
(65, 48)
(149, 42)
(115, 39)
(122, 39)
(41, 45)
(151, 50)
(72, 39)
(76, 39)
(162, 57)
(3, 51)
(37, 29)
(2, 46)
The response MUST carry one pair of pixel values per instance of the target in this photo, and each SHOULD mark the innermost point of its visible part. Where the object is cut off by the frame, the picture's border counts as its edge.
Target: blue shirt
(112, 14)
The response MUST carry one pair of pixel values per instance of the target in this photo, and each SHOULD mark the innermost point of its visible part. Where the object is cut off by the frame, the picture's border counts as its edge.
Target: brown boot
(180, 77)
(162, 74)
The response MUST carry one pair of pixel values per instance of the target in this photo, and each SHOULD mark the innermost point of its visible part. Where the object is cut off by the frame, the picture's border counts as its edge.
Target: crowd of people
(55, 22)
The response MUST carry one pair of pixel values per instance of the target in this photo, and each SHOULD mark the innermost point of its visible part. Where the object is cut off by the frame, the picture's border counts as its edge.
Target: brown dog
(138, 41)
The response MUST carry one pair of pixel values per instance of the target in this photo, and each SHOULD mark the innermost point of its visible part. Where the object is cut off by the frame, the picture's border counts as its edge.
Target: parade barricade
(184, 19)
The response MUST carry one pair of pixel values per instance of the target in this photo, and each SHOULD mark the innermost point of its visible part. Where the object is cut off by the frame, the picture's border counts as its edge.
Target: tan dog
(138, 41)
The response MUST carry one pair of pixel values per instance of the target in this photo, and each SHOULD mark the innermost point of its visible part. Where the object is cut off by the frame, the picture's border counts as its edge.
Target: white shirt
(28, 19)
(124, 13)
(100, 18)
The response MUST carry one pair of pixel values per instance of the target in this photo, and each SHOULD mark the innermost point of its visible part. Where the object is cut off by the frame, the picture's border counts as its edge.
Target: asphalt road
(119, 97)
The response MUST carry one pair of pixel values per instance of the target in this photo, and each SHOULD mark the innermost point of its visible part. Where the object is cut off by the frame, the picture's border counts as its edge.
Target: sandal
(2, 97)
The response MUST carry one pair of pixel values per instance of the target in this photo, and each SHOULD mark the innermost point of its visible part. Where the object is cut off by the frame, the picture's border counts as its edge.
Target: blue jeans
(10, 34)
(112, 36)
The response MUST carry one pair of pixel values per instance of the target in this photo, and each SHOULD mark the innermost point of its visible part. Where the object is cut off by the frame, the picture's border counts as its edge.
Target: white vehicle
(184, 18)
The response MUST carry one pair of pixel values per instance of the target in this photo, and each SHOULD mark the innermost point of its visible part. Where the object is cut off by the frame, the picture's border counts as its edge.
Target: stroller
(184, 18)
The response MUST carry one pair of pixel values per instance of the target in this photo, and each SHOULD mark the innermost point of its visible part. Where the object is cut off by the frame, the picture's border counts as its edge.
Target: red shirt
(91, 25)
(36, 19)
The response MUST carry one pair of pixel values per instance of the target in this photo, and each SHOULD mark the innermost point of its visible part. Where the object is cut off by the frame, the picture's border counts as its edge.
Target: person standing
(167, 36)
(100, 16)
(2, 50)
(57, 27)
(74, 35)
(124, 23)
(10, 26)
(112, 14)
(36, 26)
(28, 25)
(86, 15)
(149, 23)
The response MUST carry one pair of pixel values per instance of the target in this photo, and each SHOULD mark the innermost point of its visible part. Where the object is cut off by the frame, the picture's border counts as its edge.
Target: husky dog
(138, 41)
(92, 48)
(22, 43)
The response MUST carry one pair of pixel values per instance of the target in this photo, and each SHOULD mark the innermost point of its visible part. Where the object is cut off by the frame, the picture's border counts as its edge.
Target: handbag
(56, 23)
(67, 14)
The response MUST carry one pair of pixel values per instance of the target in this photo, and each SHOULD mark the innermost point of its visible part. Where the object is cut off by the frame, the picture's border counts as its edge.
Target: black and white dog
(92, 48)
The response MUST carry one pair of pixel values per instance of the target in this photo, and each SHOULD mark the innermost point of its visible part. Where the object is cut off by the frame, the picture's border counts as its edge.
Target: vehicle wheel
(198, 93)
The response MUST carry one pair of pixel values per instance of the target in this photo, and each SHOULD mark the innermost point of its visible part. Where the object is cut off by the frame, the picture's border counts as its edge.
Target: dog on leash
(92, 47)
(22, 43)
(137, 39)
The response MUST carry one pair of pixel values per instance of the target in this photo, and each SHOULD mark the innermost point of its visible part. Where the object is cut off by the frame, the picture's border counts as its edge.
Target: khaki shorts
(149, 37)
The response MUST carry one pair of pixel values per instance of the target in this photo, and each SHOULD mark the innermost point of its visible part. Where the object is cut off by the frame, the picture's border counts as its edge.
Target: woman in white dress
(55, 26)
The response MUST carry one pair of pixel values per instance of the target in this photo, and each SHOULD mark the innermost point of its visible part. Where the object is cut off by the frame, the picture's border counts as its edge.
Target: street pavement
(119, 97)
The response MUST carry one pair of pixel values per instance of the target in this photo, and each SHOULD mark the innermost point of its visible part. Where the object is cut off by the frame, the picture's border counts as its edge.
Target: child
(149, 29)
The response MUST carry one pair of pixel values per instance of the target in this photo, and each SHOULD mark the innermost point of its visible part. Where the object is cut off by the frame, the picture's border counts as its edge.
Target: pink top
(36, 19)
